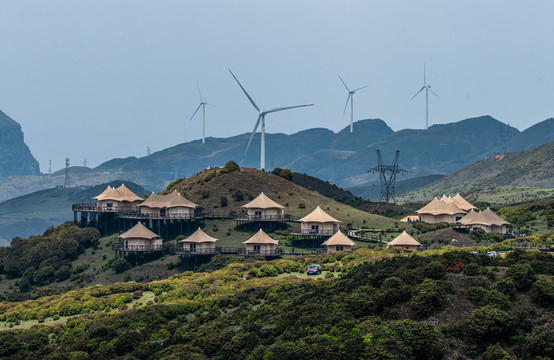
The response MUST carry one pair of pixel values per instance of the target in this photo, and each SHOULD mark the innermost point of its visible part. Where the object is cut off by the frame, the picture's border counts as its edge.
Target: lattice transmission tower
(387, 175)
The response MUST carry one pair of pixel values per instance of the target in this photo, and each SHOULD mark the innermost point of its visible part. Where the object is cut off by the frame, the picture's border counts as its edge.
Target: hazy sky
(104, 79)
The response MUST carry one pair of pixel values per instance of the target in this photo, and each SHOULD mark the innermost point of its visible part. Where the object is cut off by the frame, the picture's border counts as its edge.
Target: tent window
(109, 206)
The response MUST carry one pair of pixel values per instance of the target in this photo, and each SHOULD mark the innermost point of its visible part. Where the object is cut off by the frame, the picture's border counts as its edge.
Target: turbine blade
(245, 93)
(195, 111)
(251, 137)
(285, 108)
(420, 90)
(363, 87)
(432, 92)
(344, 83)
(424, 68)
(199, 93)
(346, 105)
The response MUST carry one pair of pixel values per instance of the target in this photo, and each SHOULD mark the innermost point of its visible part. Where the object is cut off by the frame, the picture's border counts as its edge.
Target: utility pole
(66, 184)
(387, 175)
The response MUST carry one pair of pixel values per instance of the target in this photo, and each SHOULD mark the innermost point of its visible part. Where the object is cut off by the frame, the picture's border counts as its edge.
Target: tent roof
(339, 239)
(262, 202)
(462, 203)
(404, 239)
(260, 238)
(319, 216)
(446, 199)
(127, 195)
(109, 194)
(139, 231)
(438, 207)
(173, 199)
(487, 217)
(198, 237)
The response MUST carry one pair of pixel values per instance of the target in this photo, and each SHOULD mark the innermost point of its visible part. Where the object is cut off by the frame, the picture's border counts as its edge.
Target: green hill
(499, 179)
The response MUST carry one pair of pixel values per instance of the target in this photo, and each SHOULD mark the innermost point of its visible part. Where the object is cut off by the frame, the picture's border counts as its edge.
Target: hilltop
(16, 157)
(500, 179)
(209, 187)
(33, 213)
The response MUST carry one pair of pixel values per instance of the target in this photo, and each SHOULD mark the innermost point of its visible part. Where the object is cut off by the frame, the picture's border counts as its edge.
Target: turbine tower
(261, 118)
(427, 89)
(351, 98)
(203, 105)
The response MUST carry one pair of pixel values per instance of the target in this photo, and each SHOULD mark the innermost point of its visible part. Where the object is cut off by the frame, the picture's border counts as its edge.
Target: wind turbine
(351, 98)
(261, 118)
(203, 105)
(427, 89)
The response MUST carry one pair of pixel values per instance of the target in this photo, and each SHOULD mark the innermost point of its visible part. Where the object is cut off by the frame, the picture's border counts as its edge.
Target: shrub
(471, 269)
(238, 195)
(427, 297)
(121, 265)
(269, 270)
(301, 205)
(488, 322)
(542, 292)
(223, 201)
(434, 270)
(495, 352)
(523, 276)
(506, 286)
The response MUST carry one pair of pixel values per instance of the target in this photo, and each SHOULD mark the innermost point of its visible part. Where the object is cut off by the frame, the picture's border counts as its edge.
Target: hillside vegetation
(367, 305)
(213, 188)
(500, 179)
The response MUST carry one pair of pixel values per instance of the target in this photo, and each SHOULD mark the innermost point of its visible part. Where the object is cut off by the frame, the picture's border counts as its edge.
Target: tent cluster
(173, 204)
(114, 198)
(168, 205)
(458, 210)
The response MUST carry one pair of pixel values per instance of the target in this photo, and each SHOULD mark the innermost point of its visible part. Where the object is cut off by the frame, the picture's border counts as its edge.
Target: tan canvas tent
(318, 222)
(405, 241)
(199, 242)
(438, 211)
(486, 220)
(338, 242)
(260, 243)
(263, 207)
(140, 238)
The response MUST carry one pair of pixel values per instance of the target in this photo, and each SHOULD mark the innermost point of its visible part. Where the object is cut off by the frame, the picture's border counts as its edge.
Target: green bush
(523, 276)
(495, 352)
(542, 292)
(427, 297)
(471, 269)
(269, 270)
(121, 265)
(489, 323)
(434, 270)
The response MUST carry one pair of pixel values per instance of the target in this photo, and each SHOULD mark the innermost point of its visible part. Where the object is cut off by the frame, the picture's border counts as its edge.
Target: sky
(100, 79)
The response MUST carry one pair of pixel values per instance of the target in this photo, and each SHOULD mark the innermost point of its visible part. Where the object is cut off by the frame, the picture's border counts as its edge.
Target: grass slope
(208, 187)
(500, 179)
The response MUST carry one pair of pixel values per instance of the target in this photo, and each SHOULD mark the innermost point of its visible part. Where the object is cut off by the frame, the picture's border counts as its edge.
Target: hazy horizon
(101, 80)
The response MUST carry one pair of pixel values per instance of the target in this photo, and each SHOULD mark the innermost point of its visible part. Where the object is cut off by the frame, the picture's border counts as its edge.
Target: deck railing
(309, 232)
(138, 248)
(198, 251)
(133, 212)
(268, 252)
(246, 217)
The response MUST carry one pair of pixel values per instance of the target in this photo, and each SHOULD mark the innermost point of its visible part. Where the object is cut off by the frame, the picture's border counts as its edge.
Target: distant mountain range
(15, 158)
(341, 158)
